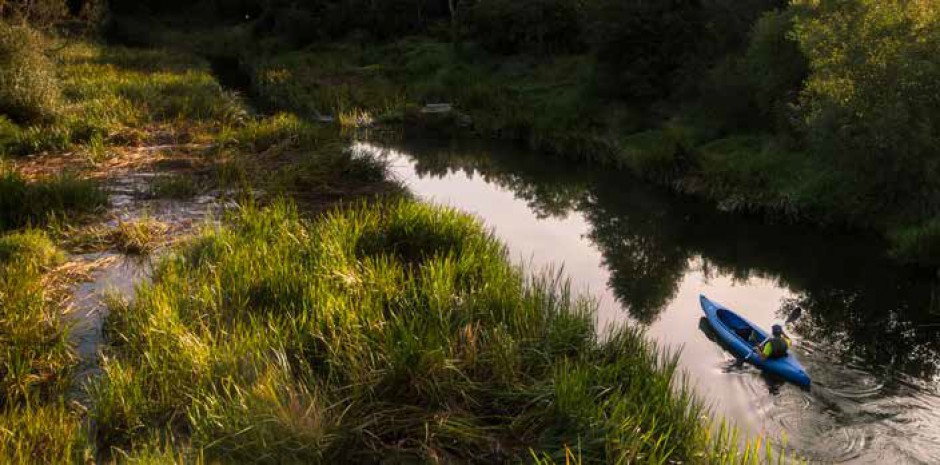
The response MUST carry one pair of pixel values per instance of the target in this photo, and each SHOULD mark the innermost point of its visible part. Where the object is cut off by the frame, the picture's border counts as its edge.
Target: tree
(871, 105)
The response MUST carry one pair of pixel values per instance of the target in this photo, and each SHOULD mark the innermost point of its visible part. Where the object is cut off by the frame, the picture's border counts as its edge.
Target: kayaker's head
(777, 330)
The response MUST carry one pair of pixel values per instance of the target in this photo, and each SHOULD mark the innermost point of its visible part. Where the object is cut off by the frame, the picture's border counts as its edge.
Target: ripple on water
(849, 415)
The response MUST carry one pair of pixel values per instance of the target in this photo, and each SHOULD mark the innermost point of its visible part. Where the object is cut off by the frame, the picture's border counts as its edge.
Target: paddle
(797, 311)
(749, 355)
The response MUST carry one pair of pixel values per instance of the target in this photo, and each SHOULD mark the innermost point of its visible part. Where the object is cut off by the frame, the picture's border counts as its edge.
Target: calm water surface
(869, 335)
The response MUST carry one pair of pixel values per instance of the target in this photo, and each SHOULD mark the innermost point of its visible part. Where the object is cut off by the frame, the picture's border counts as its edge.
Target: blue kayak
(728, 325)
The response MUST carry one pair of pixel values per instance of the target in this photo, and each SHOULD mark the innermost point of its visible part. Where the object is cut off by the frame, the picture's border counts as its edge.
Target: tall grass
(29, 89)
(25, 202)
(116, 95)
(42, 434)
(36, 359)
(391, 332)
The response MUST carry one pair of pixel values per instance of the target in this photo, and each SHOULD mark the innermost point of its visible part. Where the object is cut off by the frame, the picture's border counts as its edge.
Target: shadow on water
(869, 334)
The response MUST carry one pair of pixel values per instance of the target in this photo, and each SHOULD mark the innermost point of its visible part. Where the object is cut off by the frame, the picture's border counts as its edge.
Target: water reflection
(869, 333)
(867, 309)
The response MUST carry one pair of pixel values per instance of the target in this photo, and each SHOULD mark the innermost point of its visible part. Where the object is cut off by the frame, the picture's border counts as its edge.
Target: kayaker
(748, 334)
(776, 346)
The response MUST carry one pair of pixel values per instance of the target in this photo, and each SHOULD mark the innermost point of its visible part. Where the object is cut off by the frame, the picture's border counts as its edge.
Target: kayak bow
(727, 324)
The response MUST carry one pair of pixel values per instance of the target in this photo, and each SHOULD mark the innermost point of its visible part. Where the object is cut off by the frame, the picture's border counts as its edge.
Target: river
(869, 334)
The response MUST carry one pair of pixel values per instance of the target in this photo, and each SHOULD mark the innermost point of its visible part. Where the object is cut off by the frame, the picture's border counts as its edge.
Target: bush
(917, 243)
(775, 66)
(871, 105)
(755, 89)
(29, 91)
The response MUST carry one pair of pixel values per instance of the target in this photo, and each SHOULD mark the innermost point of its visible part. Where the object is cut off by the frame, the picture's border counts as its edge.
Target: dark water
(869, 334)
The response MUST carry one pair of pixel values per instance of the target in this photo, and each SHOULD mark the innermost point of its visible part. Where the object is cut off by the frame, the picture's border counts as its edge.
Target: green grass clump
(50, 433)
(35, 356)
(277, 131)
(25, 202)
(31, 247)
(110, 95)
(392, 332)
(138, 237)
(29, 89)
(36, 360)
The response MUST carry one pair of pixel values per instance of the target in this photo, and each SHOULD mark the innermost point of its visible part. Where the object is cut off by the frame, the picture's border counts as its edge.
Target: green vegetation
(24, 203)
(36, 360)
(173, 187)
(661, 88)
(119, 96)
(396, 331)
(393, 330)
(30, 248)
(137, 237)
(29, 91)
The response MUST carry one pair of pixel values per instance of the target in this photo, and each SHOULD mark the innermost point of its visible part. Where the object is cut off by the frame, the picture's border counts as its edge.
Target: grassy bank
(393, 332)
(125, 110)
(37, 425)
(551, 106)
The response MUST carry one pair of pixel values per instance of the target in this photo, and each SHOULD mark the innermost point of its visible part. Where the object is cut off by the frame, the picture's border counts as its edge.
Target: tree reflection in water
(865, 309)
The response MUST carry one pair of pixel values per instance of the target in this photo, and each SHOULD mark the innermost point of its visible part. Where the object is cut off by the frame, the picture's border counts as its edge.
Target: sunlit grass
(31, 248)
(36, 359)
(111, 93)
(394, 331)
(50, 433)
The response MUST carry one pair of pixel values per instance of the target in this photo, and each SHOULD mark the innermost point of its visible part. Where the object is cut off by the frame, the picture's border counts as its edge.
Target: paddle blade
(795, 314)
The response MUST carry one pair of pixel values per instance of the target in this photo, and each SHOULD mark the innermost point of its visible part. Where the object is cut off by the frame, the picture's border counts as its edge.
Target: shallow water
(116, 274)
(869, 335)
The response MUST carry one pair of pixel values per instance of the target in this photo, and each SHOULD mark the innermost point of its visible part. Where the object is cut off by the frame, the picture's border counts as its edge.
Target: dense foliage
(871, 105)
